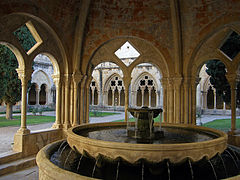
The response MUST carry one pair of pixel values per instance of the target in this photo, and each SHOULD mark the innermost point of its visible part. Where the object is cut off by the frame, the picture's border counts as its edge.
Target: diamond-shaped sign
(127, 53)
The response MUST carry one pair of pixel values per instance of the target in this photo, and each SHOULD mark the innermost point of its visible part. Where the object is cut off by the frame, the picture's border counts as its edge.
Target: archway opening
(146, 88)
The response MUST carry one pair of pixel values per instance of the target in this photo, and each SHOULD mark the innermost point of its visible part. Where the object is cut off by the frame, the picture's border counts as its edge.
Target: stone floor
(7, 133)
(26, 174)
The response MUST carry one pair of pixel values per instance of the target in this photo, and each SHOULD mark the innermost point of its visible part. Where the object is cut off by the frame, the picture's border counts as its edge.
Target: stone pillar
(127, 82)
(215, 99)
(171, 101)
(150, 96)
(186, 100)
(165, 98)
(92, 96)
(57, 82)
(119, 97)
(83, 99)
(232, 82)
(67, 96)
(62, 101)
(142, 91)
(37, 95)
(194, 84)
(100, 101)
(177, 99)
(76, 79)
(24, 76)
(113, 100)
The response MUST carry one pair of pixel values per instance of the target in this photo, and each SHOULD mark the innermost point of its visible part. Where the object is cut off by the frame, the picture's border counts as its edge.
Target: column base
(234, 137)
(23, 131)
(57, 126)
(66, 126)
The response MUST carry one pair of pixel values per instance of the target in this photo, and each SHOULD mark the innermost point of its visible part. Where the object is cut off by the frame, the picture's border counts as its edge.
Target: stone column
(232, 81)
(57, 82)
(76, 79)
(164, 82)
(127, 82)
(24, 76)
(177, 99)
(186, 100)
(113, 100)
(215, 99)
(142, 91)
(67, 96)
(171, 101)
(92, 96)
(83, 99)
(37, 95)
(62, 101)
(119, 97)
(194, 84)
(150, 96)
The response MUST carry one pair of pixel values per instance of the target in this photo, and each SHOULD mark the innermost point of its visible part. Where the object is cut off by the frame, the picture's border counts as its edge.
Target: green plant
(40, 111)
(34, 111)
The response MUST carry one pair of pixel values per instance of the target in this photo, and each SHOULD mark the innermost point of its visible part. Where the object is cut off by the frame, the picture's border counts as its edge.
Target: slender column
(142, 90)
(57, 82)
(24, 76)
(171, 102)
(177, 99)
(127, 82)
(158, 98)
(119, 97)
(92, 96)
(186, 88)
(150, 96)
(76, 79)
(165, 99)
(232, 81)
(47, 94)
(83, 99)
(215, 99)
(63, 102)
(224, 106)
(113, 92)
(87, 106)
(194, 84)
(71, 103)
(37, 95)
(67, 84)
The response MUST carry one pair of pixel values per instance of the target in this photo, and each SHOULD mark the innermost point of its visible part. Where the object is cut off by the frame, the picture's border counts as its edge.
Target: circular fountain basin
(204, 142)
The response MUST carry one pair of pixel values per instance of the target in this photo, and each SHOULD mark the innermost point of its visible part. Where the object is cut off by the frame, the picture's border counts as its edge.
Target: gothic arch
(148, 53)
(40, 77)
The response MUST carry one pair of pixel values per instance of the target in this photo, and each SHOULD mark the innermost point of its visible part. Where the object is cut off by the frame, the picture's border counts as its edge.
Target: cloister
(176, 37)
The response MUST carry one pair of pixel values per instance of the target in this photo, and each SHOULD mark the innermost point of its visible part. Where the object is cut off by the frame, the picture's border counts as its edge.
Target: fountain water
(158, 151)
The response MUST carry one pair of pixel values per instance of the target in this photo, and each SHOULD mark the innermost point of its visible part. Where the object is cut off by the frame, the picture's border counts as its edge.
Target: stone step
(9, 156)
(17, 165)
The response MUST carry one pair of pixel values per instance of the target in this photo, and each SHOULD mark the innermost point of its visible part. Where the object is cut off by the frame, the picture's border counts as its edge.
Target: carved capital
(56, 79)
(24, 75)
(77, 77)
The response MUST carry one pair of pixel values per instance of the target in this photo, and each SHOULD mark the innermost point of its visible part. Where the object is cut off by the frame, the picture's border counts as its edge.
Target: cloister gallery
(173, 40)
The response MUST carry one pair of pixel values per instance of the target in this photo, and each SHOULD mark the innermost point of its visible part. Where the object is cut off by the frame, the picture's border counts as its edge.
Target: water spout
(117, 170)
(142, 171)
(79, 162)
(94, 168)
(213, 169)
(169, 173)
(67, 158)
(232, 158)
(63, 150)
(190, 165)
(61, 146)
(223, 165)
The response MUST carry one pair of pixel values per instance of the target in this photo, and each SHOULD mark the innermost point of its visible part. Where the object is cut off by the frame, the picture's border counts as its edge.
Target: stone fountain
(155, 151)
